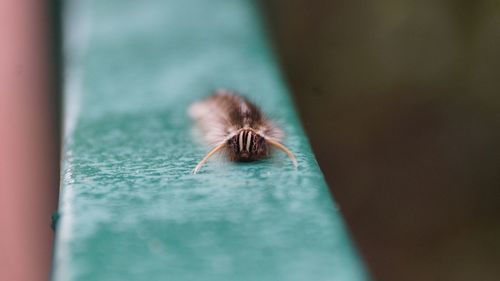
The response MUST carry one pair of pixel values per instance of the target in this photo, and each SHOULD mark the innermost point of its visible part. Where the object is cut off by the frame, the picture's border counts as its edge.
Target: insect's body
(234, 124)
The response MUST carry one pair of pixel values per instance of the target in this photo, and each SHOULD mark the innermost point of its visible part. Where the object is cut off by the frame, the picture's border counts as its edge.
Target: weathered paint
(130, 207)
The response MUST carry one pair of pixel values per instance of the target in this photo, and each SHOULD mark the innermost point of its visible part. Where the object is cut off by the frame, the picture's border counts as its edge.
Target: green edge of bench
(129, 207)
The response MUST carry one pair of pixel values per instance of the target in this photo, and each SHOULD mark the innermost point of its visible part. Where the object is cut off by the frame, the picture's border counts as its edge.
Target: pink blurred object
(28, 141)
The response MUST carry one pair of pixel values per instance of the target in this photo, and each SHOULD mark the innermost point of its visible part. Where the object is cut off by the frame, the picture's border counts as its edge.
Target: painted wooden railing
(130, 208)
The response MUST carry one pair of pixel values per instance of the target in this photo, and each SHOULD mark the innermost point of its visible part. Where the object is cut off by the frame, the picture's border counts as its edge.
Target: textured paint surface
(130, 207)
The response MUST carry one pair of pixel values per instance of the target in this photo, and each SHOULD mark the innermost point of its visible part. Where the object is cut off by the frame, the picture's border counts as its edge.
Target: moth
(232, 124)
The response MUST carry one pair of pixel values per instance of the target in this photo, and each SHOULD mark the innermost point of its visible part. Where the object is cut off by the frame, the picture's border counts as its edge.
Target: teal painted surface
(130, 209)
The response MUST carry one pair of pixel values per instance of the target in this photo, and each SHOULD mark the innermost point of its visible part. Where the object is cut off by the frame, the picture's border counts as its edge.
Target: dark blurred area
(401, 102)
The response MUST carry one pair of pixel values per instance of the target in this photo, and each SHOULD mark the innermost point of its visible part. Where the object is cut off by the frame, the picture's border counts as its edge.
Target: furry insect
(233, 124)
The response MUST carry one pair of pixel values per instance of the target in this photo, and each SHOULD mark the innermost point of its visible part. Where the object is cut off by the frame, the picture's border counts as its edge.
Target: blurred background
(401, 101)
(399, 98)
(29, 138)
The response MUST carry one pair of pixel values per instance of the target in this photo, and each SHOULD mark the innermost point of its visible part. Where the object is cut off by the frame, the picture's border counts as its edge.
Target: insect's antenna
(209, 154)
(284, 149)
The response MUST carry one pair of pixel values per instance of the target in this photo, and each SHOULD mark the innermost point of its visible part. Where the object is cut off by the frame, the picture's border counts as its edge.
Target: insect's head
(247, 145)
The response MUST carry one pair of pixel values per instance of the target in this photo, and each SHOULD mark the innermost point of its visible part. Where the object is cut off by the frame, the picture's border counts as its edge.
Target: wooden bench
(130, 208)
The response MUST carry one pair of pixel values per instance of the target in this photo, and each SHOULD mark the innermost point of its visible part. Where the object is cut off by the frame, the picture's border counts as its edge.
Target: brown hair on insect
(234, 124)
